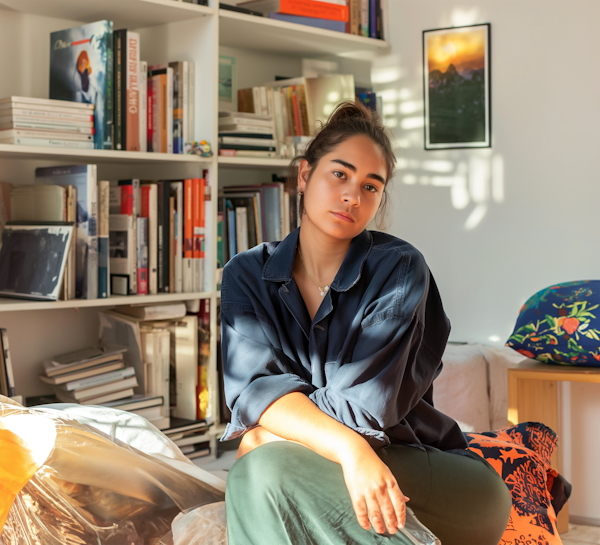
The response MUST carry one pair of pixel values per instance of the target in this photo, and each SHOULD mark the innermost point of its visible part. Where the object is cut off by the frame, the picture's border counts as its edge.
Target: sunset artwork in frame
(456, 87)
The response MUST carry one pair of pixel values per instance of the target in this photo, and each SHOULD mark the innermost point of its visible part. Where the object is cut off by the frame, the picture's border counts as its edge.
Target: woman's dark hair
(347, 120)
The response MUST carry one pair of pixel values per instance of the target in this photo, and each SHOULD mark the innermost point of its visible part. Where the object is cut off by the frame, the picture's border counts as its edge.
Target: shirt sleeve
(256, 371)
(396, 356)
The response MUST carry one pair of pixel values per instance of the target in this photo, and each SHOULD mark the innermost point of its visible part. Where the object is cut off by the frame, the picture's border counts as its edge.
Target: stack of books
(246, 134)
(50, 123)
(149, 407)
(190, 436)
(90, 377)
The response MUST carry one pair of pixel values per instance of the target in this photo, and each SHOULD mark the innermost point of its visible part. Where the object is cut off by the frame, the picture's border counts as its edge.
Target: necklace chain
(323, 290)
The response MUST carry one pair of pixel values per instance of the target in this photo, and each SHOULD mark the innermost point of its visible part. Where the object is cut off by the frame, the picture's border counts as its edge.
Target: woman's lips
(343, 217)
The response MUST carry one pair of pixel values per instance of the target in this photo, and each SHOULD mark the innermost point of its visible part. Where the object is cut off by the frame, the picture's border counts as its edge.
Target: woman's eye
(371, 188)
(338, 173)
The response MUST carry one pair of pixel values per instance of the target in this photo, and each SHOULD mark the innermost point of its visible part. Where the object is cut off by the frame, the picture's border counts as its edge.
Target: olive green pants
(285, 494)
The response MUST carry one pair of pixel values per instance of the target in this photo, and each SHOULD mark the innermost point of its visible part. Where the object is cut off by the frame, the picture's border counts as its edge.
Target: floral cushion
(561, 324)
(521, 456)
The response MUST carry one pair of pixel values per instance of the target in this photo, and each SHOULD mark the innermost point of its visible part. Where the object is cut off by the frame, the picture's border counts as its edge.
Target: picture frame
(33, 259)
(227, 83)
(457, 87)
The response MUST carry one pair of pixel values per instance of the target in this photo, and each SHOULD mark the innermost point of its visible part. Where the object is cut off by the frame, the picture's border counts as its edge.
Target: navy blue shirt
(369, 356)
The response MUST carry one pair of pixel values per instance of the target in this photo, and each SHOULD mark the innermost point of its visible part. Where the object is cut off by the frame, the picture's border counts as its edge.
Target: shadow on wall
(473, 178)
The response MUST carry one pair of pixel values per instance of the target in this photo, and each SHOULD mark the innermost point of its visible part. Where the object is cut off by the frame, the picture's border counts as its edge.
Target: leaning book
(81, 70)
(83, 178)
(33, 259)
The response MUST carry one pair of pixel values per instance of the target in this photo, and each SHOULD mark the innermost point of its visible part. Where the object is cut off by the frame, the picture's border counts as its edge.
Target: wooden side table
(533, 396)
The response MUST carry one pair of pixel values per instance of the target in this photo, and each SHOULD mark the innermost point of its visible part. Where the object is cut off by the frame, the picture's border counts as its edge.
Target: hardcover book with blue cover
(81, 69)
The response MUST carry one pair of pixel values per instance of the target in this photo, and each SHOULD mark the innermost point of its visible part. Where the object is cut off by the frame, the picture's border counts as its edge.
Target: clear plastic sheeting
(87, 488)
(205, 525)
(416, 532)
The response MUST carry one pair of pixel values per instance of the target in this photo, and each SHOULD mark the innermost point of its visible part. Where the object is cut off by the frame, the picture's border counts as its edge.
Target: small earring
(301, 193)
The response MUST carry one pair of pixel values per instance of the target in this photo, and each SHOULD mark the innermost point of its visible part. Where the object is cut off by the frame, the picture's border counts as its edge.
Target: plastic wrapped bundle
(62, 482)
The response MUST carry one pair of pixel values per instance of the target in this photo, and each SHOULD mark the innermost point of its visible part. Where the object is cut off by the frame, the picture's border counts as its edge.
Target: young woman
(331, 341)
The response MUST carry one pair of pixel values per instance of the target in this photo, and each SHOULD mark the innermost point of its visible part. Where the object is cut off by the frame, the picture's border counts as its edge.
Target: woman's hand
(374, 492)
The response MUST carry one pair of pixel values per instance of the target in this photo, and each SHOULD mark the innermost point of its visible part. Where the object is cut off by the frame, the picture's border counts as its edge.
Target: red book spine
(297, 119)
(127, 200)
(149, 114)
(310, 8)
(145, 211)
(198, 200)
(188, 218)
(203, 190)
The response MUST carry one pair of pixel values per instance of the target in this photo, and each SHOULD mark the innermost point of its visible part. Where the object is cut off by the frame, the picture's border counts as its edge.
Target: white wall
(496, 225)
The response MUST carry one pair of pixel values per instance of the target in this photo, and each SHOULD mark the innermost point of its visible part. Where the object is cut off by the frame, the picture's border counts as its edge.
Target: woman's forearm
(296, 418)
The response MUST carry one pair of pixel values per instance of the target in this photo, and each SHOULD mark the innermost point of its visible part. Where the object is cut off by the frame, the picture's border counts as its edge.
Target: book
(248, 153)
(143, 98)
(97, 380)
(198, 453)
(119, 63)
(142, 256)
(148, 413)
(10, 376)
(81, 395)
(199, 199)
(33, 260)
(197, 437)
(83, 178)
(305, 8)
(327, 24)
(364, 18)
(163, 238)
(207, 223)
(177, 251)
(156, 347)
(36, 133)
(149, 209)
(83, 373)
(191, 103)
(131, 97)
(136, 403)
(97, 400)
(46, 104)
(103, 239)
(47, 124)
(38, 203)
(48, 143)
(180, 104)
(162, 107)
(188, 236)
(232, 128)
(80, 359)
(186, 363)
(81, 70)
(241, 140)
(204, 393)
(241, 222)
(122, 254)
(172, 233)
(180, 425)
(25, 111)
(161, 311)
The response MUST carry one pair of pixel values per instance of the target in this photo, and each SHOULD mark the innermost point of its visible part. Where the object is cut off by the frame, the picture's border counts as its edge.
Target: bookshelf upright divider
(170, 30)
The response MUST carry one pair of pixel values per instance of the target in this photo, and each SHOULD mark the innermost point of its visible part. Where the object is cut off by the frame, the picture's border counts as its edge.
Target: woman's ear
(303, 174)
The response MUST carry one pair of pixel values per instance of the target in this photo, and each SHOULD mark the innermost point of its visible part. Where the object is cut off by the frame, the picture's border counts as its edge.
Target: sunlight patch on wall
(412, 123)
(476, 217)
(411, 106)
(494, 338)
(465, 17)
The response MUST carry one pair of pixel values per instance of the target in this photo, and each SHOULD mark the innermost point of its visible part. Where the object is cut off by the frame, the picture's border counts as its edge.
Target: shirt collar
(279, 265)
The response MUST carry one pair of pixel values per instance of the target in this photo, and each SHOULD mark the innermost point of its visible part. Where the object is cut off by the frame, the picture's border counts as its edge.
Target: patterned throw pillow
(561, 324)
(521, 456)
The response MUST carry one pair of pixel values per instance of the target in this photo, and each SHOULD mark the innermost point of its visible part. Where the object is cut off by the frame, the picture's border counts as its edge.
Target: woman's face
(345, 188)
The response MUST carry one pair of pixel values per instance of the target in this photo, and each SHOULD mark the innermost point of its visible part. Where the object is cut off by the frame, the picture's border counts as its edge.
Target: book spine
(143, 113)
(142, 256)
(31, 133)
(373, 18)
(50, 113)
(10, 377)
(103, 239)
(92, 262)
(48, 143)
(178, 250)
(186, 105)
(132, 93)
(156, 113)
(172, 230)
(318, 10)
(188, 220)
(163, 237)
(169, 110)
(165, 127)
(207, 224)
(149, 113)
(178, 84)
(364, 18)
(297, 119)
(119, 38)
(192, 102)
(327, 24)
(72, 260)
(107, 135)
(231, 229)
(198, 205)
(241, 222)
(220, 247)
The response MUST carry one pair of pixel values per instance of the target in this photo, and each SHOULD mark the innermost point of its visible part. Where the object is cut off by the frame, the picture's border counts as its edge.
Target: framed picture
(456, 87)
(227, 83)
(32, 260)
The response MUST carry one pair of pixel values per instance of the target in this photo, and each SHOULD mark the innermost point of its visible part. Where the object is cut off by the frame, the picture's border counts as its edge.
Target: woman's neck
(322, 254)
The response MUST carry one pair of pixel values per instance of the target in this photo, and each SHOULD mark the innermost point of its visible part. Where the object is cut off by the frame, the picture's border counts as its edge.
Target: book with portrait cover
(81, 70)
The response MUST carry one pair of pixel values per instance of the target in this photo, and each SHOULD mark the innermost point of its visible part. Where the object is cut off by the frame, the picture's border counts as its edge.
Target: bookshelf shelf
(279, 37)
(10, 151)
(124, 13)
(11, 305)
(251, 162)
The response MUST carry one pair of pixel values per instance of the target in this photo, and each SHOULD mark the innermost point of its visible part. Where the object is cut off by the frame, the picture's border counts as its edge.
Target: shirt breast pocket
(331, 368)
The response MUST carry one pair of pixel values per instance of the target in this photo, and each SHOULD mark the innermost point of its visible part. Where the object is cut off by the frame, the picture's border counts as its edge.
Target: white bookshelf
(170, 30)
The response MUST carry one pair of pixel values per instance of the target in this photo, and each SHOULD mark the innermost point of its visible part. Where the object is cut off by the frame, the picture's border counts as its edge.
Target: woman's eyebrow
(353, 169)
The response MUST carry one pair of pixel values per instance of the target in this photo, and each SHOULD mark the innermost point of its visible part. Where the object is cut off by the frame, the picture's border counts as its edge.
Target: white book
(186, 366)
(159, 311)
(48, 143)
(22, 110)
(149, 413)
(143, 106)
(265, 121)
(241, 140)
(123, 262)
(93, 392)
(178, 249)
(83, 178)
(97, 380)
(249, 127)
(264, 103)
(185, 89)
(48, 102)
(241, 229)
(169, 110)
(67, 124)
(156, 352)
(163, 423)
(40, 133)
(99, 399)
